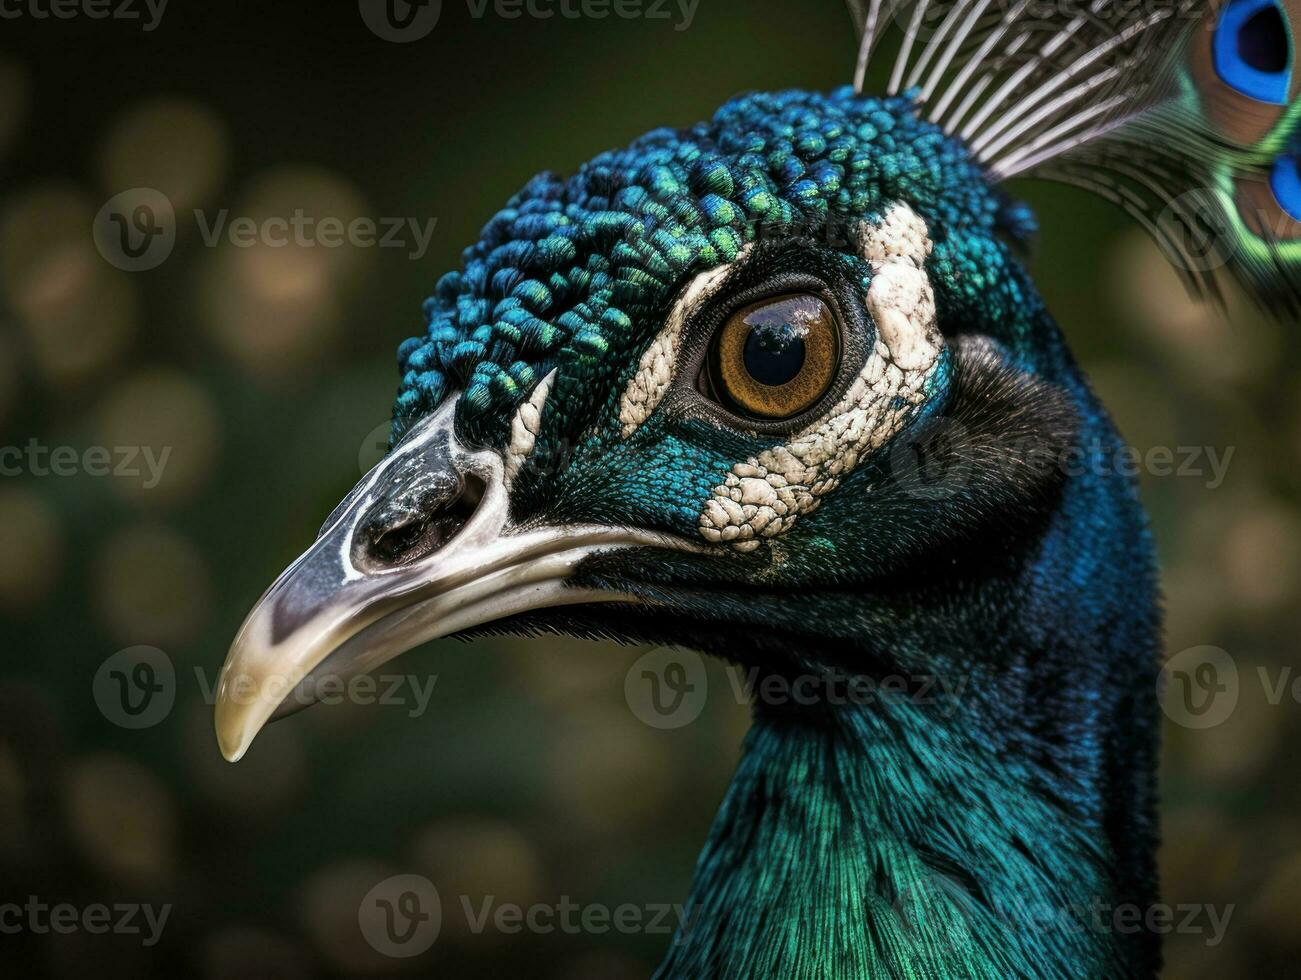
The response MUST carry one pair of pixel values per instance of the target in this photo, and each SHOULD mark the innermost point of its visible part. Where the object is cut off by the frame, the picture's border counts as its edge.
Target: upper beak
(348, 604)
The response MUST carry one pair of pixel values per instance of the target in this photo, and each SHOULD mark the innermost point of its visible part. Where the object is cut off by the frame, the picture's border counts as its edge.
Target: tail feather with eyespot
(1184, 113)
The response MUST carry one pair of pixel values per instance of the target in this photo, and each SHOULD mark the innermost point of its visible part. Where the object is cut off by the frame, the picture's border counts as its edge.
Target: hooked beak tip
(235, 728)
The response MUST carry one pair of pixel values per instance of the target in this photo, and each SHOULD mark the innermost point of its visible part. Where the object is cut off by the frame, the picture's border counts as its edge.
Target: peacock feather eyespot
(1265, 208)
(1253, 50)
(1285, 182)
(774, 358)
(1243, 68)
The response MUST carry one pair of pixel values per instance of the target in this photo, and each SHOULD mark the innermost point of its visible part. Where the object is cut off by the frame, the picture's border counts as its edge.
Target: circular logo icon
(374, 447)
(667, 688)
(1198, 687)
(136, 687)
(401, 916)
(401, 21)
(136, 230)
(1198, 232)
(927, 463)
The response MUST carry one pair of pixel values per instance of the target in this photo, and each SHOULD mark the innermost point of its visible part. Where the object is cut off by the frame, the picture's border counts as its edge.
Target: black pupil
(1262, 41)
(774, 352)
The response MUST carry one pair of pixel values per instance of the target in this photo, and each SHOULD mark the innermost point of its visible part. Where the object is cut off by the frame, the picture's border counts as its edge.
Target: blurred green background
(267, 371)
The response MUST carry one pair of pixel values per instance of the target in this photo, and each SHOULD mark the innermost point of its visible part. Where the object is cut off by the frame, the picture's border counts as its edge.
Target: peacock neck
(882, 840)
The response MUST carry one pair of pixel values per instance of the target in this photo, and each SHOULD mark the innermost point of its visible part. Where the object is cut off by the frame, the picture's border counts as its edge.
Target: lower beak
(325, 619)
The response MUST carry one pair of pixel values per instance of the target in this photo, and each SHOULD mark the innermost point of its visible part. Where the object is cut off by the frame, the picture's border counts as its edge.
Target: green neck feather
(883, 841)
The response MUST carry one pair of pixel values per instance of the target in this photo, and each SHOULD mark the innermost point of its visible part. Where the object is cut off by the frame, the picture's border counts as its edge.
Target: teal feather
(890, 842)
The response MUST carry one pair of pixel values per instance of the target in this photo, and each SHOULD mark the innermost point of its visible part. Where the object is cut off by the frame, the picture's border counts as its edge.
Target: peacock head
(699, 391)
(662, 397)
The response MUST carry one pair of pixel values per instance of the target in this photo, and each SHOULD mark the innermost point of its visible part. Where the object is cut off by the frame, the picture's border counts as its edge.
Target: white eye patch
(524, 427)
(659, 363)
(764, 496)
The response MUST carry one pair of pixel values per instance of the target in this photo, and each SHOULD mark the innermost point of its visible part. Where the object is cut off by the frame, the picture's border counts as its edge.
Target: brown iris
(773, 359)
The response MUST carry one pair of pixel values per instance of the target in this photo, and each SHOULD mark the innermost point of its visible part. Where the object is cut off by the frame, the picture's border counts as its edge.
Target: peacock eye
(1269, 205)
(775, 358)
(1252, 50)
(1285, 182)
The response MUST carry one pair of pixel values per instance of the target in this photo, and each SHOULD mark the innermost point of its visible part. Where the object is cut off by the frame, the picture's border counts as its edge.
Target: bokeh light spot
(168, 413)
(32, 556)
(123, 817)
(174, 145)
(151, 585)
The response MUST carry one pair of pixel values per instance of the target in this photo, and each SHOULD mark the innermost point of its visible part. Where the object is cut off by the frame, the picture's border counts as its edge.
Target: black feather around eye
(970, 480)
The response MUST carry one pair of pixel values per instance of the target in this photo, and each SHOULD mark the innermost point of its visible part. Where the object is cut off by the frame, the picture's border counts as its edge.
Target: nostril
(397, 540)
(471, 493)
(407, 530)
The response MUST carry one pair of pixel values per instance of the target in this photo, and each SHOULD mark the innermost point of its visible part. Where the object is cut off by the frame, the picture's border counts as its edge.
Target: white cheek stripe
(659, 362)
(764, 496)
(525, 425)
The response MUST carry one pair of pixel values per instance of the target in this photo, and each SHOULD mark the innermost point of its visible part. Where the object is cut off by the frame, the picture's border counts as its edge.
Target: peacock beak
(422, 548)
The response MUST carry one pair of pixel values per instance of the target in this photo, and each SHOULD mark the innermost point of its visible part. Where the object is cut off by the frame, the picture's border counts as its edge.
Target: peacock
(779, 387)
